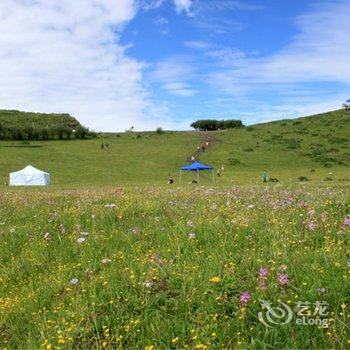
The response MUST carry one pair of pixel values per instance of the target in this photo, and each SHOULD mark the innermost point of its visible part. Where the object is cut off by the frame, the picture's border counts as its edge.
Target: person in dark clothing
(102, 145)
(171, 180)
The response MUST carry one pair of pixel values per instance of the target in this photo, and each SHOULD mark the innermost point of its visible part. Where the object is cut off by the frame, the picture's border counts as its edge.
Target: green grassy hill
(315, 147)
(13, 118)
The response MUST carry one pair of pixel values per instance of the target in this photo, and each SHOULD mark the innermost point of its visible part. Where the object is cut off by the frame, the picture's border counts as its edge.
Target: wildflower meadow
(174, 268)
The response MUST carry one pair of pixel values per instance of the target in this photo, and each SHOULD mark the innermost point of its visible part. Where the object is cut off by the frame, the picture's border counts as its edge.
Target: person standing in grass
(264, 176)
(171, 180)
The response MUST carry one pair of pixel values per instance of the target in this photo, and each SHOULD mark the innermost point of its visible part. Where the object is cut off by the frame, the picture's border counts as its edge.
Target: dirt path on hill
(208, 140)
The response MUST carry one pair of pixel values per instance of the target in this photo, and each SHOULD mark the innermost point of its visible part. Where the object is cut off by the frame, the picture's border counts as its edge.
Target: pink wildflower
(311, 212)
(262, 283)
(244, 298)
(346, 222)
(312, 225)
(263, 272)
(283, 279)
(262, 277)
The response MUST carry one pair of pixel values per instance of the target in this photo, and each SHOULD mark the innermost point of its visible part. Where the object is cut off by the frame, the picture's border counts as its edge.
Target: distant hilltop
(18, 125)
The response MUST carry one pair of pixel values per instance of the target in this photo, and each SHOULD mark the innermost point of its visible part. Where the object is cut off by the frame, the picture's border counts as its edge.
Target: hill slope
(312, 146)
(315, 147)
(13, 118)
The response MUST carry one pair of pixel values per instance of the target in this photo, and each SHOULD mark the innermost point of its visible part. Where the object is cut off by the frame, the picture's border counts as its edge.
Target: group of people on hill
(201, 149)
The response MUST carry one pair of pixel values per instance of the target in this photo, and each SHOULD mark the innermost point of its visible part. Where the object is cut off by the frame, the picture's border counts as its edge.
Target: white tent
(29, 176)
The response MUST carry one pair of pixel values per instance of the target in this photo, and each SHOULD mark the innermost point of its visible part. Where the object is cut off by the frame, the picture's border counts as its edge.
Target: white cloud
(319, 53)
(183, 6)
(65, 56)
(197, 44)
(150, 4)
(227, 54)
(173, 76)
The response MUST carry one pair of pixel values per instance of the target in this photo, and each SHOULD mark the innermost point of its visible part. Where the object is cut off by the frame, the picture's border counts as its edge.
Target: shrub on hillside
(37, 133)
(234, 161)
(291, 143)
(213, 124)
(303, 178)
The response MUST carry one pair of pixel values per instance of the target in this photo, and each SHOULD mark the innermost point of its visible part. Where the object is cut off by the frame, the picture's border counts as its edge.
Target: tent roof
(29, 169)
(348, 100)
(196, 166)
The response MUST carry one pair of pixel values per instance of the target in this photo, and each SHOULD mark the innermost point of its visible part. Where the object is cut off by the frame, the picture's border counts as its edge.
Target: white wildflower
(74, 281)
(81, 240)
(106, 261)
(147, 284)
(110, 206)
(191, 235)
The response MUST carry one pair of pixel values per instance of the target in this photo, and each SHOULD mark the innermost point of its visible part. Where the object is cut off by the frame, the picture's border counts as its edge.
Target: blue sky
(150, 63)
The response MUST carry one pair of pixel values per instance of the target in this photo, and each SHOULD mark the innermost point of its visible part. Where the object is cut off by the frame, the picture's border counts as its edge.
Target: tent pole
(197, 176)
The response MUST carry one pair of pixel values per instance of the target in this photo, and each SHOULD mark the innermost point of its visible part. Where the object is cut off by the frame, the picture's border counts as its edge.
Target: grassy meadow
(110, 256)
(316, 148)
(129, 160)
(166, 269)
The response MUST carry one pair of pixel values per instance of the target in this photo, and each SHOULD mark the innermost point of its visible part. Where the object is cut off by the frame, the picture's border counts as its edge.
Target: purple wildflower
(262, 277)
(263, 272)
(312, 225)
(283, 279)
(244, 298)
(346, 222)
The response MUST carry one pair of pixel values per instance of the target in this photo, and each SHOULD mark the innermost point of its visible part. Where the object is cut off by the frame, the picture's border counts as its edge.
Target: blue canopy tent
(197, 167)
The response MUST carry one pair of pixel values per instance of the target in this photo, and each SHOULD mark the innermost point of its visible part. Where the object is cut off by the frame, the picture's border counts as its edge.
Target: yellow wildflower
(215, 279)
(175, 340)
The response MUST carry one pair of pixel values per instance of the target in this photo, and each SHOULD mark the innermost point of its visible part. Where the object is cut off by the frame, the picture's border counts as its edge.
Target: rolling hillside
(12, 118)
(316, 148)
